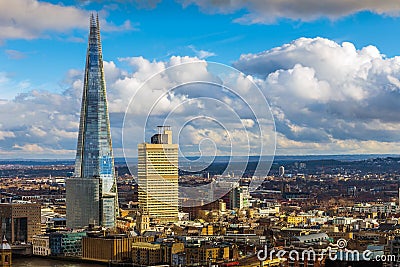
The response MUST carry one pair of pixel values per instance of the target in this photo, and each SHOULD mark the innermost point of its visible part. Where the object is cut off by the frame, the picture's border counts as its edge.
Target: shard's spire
(94, 157)
(92, 21)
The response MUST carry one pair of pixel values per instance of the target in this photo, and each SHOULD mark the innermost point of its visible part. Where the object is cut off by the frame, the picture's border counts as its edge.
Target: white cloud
(36, 150)
(30, 19)
(109, 27)
(9, 86)
(268, 11)
(15, 54)
(323, 93)
(291, 147)
(201, 54)
(39, 121)
(6, 134)
(166, 98)
(31, 148)
(326, 98)
(44, 122)
(146, 4)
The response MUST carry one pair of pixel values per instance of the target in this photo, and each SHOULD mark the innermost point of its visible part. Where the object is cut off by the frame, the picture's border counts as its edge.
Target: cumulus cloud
(40, 122)
(267, 11)
(44, 122)
(325, 97)
(30, 19)
(8, 86)
(6, 134)
(27, 19)
(325, 92)
(187, 96)
(31, 148)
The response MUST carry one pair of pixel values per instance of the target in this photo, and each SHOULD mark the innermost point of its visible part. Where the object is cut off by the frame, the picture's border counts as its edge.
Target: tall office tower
(92, 193)
(158, 176)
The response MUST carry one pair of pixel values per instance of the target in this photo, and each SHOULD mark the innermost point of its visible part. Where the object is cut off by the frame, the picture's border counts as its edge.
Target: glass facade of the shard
(94, 157)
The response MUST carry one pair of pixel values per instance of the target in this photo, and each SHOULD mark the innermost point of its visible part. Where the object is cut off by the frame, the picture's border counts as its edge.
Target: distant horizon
(276, 156)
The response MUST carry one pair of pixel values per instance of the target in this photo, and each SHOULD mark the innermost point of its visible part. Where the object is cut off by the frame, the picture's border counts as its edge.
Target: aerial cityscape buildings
(359, 204)
(92, 193)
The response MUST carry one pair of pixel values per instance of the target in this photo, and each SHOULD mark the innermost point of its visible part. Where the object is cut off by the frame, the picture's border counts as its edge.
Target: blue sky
(43, 46)
(170, 29)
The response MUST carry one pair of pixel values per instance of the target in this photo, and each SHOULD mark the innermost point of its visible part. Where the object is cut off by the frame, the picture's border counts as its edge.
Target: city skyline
(331, 77)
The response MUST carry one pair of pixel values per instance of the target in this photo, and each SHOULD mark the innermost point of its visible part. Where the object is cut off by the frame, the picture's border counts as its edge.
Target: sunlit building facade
(158, 176)
(92, 192)
(20, 221)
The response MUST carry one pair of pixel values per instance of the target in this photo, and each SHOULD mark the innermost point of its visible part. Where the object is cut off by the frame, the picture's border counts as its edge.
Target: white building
(41, 245)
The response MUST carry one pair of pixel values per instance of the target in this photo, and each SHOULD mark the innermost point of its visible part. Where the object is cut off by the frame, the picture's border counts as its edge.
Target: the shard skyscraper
(91, 194)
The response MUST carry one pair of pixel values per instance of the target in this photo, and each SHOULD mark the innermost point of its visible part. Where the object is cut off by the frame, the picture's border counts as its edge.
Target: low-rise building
(146, 253)
(296, 220)
(206, 253)
(66, 243)
(20, 221)
(41, 245)
(178, 259)
(114, 248)
(169, 251)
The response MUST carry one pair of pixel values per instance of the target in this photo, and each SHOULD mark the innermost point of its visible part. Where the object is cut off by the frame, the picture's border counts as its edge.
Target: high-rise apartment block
(239, 197)
(158, 176)
(92, 193)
